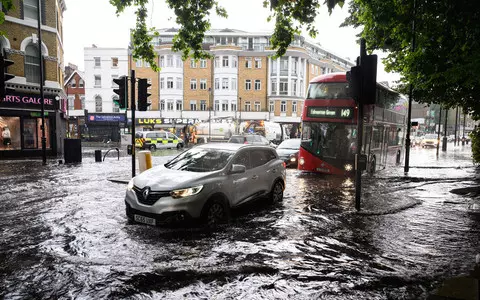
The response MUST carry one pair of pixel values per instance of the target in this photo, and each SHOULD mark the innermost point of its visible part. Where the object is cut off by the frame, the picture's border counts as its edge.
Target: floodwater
(64, 234)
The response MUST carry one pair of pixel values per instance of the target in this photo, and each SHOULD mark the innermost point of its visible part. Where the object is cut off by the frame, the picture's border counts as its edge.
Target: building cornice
(30, 23)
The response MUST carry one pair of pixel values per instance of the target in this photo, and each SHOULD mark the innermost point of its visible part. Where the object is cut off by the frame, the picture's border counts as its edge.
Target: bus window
(330, 140)
(328, 90)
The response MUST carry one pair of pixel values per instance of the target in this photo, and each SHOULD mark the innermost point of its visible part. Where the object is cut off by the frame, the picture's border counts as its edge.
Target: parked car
(429, 140)
(205, 182)
(153, 140)
(288, 152)
(252, 139)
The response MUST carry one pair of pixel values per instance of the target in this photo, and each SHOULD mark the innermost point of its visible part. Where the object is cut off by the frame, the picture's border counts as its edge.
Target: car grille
(152, 197)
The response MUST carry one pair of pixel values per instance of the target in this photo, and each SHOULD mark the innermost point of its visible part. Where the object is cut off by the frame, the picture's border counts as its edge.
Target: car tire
(179, 145)
(216, 212)
(276, 194)
(152, 147)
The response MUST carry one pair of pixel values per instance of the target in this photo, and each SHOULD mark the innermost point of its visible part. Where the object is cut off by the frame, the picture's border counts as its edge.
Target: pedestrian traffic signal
(143, 94)
(121, 91)
(4, 64)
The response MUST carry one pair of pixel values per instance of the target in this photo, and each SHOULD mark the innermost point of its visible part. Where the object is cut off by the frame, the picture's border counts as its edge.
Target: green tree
(444, 66)
(193, 18)
(6, 6)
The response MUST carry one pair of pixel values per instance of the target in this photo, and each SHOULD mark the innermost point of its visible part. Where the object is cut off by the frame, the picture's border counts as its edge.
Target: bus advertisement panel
(329, 128)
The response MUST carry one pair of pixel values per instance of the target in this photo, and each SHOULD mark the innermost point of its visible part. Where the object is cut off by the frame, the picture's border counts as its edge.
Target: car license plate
(144, 220)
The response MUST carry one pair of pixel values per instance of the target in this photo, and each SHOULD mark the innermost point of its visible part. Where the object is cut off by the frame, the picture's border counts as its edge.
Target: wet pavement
(64, 234)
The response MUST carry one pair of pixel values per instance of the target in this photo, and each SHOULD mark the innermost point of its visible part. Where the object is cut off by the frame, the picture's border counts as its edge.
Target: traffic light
(143, 94)
(121, 91)
(4, 63)
(362, 80)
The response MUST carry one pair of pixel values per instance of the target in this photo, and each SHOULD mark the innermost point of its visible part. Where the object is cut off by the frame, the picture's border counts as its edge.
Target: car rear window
(236, 139)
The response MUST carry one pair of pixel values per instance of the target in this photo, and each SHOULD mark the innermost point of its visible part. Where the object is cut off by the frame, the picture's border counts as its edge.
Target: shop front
(102, 127)
(21, 125)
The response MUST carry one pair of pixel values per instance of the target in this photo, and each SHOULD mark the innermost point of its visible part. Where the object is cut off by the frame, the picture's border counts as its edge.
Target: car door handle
(255, 177)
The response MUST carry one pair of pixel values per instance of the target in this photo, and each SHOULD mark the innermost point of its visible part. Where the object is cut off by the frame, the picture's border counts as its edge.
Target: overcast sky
(88, 22)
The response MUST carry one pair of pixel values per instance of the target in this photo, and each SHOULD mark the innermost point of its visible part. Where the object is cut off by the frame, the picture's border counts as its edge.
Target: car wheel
(276, 195)
(216, 212)
(152, 147)
(179, 145)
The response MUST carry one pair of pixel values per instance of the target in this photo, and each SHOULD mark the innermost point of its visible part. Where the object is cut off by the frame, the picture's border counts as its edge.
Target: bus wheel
(373, 165)
(152, 147)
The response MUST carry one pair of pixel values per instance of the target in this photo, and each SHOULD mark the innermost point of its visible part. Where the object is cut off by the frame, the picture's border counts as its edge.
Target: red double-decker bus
(329, 128)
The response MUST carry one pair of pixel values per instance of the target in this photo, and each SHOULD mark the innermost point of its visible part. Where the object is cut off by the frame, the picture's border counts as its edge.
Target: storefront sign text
(330, 112)
(27, 101)
(160, 121)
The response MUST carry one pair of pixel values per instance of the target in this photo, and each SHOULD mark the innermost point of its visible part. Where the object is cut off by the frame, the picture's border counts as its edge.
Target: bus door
(385, 145)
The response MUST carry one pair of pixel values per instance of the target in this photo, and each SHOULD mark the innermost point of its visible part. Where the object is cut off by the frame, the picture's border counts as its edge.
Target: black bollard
(98, 155)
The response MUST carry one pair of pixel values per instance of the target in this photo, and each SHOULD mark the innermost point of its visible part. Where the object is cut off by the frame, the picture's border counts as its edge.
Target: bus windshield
(328, 90)
(329, 140)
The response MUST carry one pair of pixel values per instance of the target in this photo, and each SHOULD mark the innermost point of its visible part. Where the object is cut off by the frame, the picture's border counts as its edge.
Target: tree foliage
(6, 6)
(193, 18)
(444, 66)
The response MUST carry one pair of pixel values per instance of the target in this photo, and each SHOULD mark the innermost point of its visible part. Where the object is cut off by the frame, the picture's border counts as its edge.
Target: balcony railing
(253, 47)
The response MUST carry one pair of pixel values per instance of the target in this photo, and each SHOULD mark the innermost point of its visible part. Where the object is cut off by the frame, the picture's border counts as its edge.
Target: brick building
(20, 111)
(75, 92)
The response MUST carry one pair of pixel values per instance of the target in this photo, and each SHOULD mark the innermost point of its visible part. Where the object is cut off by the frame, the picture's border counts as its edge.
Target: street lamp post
(209, 114)
(240, 106)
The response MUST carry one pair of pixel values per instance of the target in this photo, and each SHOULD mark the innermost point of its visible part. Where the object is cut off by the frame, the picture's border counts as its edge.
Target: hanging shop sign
(162, 121)
(28, 101)
(106, 118)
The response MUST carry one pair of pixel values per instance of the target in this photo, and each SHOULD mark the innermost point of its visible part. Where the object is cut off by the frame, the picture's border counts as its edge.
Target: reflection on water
(64, 235)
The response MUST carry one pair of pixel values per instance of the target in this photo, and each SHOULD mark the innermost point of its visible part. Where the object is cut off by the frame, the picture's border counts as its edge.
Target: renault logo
(146, 192)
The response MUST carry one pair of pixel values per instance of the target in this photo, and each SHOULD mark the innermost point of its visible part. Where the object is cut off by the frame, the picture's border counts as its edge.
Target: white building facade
(102, 65)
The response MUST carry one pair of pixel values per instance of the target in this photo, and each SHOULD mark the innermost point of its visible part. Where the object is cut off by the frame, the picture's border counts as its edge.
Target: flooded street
(64, 234)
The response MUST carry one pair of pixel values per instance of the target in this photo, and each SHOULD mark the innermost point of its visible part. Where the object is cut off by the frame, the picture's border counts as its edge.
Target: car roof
(230, 146)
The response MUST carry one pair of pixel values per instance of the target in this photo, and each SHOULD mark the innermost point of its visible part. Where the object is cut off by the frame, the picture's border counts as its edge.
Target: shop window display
(10, 133)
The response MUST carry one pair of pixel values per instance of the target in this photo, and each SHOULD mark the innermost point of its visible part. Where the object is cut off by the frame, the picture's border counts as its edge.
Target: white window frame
(203, 84)
(257, 106)
(203, 63)
(114, 65)
(233, 84)
(225, 83)
(225, 105)
(294, 106)
(97, 81)
(258, 85)
(178, 105)
(193, 105)
(97, 62)
(272, 106)
(203, 105)
(248, 84)
(258, 63)
(248, 62)
(225, 61)
(248, 106)
(193, 84)
(162, 61)
(162, 83)
(193, 63)
(217, 83)
(169, 83)
(283, 106)
(178, 82)
(169, 61)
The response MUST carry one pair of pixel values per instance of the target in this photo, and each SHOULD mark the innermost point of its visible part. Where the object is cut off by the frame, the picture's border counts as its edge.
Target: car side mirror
(237, 169)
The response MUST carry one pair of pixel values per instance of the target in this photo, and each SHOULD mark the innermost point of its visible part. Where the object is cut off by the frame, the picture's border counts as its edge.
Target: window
(203, 63)
(258, 63)
(272, 106)
(217, 61)
(81, 83)
(217, 83)
(257, 105)
(294, 106)
(82, 101)
(169, 61)
(193, 63)
(248, 107)
(225, 61)
(234, 84)
(179, 105)
(114, 85)
(274, 67)
(217, 105)
(178, 61)
(32, 64)
(203, 105)
(224, 83)
(193, 84)
(162, 61)
(294, 66)
(233, 106)
(203, 84)
(162, 83)
(170, 105)
(138, 63)
(234, 61)
(98, 104)
(98, 81)
(73, 84)
(224, 105)
(193, 105)
(71, 102)
(283, 106)
(30, 9)
(258, 85)
(114, 62)
(162, 104)
(284, 66)
(169, 82)
(97, 62)
(146, 64)
(179, 83)
(294, 87)
(248, 62)
(248, 84)
(283, 86)
(274, 86)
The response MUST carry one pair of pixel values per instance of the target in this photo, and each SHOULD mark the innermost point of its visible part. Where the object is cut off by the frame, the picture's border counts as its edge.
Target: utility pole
(464, 119)
(456, 124)
(444, 145)
(42, 97)
(210, 114)
(438, 134)
(132, 104)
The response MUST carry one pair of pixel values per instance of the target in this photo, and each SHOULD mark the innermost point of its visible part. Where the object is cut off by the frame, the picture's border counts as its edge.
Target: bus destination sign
(330, 112)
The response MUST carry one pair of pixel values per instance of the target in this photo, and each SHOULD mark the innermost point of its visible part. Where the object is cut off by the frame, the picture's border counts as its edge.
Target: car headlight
(292, 158)
(130, 185)
(186, 192)
(348, 167)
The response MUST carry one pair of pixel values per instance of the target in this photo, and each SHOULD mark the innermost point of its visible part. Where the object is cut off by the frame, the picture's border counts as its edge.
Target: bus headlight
(301, 161)
(348, 167)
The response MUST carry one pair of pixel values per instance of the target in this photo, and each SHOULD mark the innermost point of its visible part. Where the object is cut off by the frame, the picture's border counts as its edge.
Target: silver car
(205, 182)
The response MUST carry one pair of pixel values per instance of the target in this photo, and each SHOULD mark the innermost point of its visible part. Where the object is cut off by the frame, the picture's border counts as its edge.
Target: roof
(331, 77)
(81, 74)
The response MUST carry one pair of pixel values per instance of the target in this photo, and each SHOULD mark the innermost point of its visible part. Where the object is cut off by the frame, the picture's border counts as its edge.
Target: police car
(153, 140)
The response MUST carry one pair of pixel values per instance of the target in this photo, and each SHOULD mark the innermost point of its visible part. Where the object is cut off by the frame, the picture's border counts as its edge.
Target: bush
(475, 138)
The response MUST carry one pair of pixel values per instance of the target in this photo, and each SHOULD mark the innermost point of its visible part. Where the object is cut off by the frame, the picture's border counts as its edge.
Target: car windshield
(431, 136)
(290, 144)
(201, 160)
